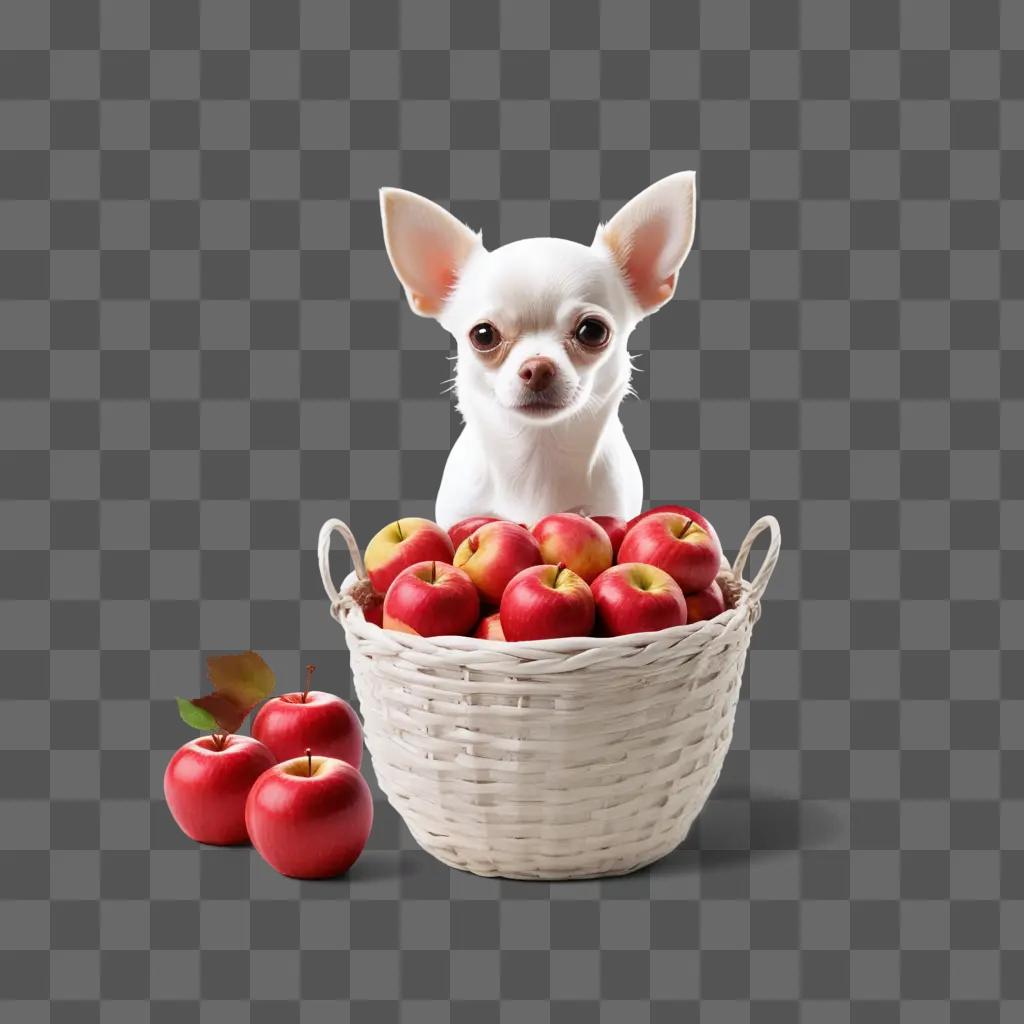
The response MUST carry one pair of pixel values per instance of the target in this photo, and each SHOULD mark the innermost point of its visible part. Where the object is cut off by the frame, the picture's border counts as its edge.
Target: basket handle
(764, 574)
(324, 552)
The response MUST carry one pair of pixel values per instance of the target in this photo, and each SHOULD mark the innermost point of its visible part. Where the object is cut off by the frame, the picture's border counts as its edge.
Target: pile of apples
(567, 576)
(293, 788)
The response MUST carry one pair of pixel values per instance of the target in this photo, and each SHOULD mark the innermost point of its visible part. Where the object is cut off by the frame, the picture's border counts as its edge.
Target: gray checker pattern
(205, 354)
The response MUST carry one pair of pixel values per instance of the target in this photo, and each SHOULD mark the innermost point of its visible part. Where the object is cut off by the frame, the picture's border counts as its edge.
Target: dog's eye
(591, 332)
(484, 337)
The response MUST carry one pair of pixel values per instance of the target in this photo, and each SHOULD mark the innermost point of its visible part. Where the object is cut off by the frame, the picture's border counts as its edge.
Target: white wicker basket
(571, 758)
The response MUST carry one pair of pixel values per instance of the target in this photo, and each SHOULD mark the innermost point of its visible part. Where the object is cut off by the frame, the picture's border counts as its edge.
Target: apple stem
(220, 739)
(686, 527)
(398, 527)
(310, 669)
(433, 572)
(558, 572)
(309, 762)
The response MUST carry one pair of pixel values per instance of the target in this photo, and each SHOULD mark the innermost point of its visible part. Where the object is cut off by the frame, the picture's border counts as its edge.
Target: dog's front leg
(465, 485)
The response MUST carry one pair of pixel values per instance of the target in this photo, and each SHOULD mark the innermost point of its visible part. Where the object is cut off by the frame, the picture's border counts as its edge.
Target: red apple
(635, 598)
(432, 599)
(578, 542)
(705, 604)
(615, 528)
(206, 783)
(677, 544)
(310, 817)
(544, 602)
(375, 613)
(681, 510)
(489, 628)
(464, 527)
(290, 724)
(401, 544)
(370, 601)
(493, 554)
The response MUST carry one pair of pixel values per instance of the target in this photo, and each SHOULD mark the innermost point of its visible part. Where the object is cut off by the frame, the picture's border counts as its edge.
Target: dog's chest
(527, 483)
(549, 481)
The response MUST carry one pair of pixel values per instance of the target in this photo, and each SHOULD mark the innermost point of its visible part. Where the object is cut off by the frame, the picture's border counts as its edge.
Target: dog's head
(541, 324)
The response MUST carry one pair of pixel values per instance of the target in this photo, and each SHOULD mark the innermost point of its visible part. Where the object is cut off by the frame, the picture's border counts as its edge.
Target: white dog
(541, 327)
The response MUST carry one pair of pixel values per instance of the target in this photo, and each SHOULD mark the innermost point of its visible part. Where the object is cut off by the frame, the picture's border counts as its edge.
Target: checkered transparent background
(205, 354)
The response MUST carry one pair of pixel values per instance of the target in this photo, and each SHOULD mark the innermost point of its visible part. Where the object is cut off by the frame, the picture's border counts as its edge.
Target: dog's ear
(427, 247)
(651, 236)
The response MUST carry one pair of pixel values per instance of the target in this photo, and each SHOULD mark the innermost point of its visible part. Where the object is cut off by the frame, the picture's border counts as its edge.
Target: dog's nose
(537, 373)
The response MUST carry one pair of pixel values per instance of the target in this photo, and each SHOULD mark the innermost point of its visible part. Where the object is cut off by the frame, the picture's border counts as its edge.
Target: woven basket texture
(560, 759)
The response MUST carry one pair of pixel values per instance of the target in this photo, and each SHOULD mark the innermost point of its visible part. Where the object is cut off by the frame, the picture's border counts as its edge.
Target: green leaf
(197, 717)
(228, 715)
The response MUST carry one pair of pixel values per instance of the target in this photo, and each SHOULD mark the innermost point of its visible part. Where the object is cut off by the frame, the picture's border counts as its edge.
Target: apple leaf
(244, 679)
(197, 717)
(240, 682)
(226, 714)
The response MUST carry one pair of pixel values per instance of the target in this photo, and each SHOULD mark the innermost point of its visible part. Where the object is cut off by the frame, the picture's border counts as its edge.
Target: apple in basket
(705, 604)
(374, 611)
(678, 544)
(310, 817)
(635, 598)
(579, 543)
(432, 599)
(464, 527)
(615, 528)
(545, 602)
(401, 544)
(495, 553)
(289, 724)
(682, 510)
(489, 628)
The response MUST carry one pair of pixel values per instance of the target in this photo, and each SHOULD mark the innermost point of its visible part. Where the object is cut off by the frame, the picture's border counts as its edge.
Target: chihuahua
(541, 327)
